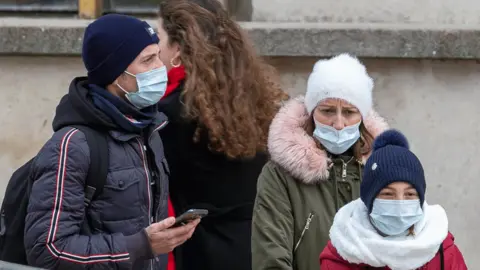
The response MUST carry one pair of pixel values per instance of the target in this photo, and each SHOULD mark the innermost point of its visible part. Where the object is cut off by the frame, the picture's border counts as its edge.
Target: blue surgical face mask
(151, 87)
(395, 217)
(336, 141)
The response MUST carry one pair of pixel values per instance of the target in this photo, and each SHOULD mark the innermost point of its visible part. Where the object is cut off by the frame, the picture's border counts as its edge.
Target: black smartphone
(190, 215)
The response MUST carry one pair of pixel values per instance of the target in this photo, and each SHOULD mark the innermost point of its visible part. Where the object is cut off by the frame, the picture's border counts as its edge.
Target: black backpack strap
(442, 259)
(99, 161)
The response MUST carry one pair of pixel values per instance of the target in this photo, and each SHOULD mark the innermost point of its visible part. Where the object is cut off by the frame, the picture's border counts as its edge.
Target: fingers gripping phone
(190, 215)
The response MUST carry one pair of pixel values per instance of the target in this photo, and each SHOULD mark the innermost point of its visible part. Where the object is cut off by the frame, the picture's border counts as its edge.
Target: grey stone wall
(426, 12)
(64, 37)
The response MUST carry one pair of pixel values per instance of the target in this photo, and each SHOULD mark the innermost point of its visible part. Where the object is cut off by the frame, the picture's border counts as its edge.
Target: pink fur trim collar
(293, 149)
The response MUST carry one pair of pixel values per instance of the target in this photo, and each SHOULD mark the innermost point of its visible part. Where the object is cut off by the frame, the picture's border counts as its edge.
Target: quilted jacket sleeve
(56, 211)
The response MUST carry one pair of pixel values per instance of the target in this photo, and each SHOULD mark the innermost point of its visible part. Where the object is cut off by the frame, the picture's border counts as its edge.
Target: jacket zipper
(158, 128)
(150, 206)
(307, 226)
(143, 150)
(344, 168)
(344, 178)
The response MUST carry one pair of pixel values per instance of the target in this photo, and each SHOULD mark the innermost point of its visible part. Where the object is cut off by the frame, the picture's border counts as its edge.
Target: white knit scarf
(357, 241)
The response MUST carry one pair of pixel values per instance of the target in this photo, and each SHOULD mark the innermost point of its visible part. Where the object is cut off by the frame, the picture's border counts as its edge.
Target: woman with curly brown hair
(220, 101)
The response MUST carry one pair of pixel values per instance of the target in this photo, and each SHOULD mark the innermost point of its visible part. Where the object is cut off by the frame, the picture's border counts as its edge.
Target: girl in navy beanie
(391, 226)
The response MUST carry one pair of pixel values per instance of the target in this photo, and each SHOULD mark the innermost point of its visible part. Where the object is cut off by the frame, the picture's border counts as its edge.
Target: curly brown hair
(229, 91)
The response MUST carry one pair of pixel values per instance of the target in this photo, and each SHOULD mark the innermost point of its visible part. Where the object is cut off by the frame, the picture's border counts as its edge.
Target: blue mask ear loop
(130, 74)
(121, 88)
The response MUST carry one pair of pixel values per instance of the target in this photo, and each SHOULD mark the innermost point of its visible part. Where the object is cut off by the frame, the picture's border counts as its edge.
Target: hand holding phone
(189, 216)
(164, 238)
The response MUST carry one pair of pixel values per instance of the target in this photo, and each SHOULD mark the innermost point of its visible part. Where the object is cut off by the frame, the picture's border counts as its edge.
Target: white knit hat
(342, 77)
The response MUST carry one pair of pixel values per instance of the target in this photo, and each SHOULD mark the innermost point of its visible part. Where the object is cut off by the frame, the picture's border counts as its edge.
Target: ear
(176, 56)
(177, 50)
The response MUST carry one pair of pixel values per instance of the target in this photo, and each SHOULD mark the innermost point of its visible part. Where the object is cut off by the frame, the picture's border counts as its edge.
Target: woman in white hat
(318, 145)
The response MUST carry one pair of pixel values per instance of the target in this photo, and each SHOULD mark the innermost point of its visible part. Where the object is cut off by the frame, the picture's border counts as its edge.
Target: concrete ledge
(64, 37)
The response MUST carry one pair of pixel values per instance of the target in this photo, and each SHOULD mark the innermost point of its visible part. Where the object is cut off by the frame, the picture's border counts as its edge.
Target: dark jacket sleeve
(56, 211)
(272, 225)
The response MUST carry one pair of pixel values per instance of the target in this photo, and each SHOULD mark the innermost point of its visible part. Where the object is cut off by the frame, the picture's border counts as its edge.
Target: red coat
(453, 259)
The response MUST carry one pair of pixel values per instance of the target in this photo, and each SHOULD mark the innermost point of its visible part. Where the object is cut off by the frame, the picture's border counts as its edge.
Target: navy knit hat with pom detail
(391, 161)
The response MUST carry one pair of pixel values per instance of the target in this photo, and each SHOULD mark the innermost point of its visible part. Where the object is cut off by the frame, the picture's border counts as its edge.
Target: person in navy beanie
(391, 226)
(125, 226)
(391, 161)
(112, 43)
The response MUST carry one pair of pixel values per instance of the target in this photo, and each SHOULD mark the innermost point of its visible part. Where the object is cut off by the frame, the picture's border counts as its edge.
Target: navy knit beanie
(391, 161)
(110, 45)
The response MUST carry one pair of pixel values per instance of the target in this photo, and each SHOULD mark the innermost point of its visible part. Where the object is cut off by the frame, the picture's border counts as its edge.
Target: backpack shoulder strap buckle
(89, 194)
